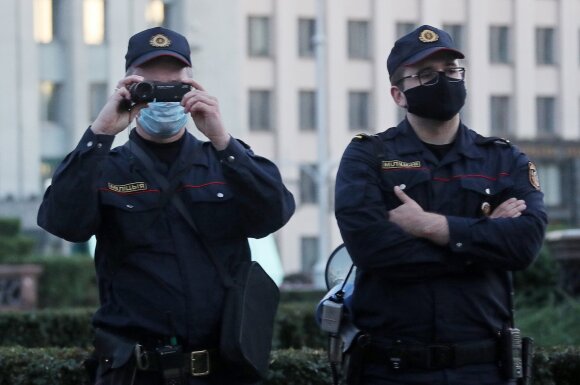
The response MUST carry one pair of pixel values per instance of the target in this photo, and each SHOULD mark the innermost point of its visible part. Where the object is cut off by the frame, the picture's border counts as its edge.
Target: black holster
(353, 361)
(115, 359)
(527, 361)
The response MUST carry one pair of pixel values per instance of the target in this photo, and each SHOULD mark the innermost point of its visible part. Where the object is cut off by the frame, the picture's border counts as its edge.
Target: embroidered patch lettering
(128, 188)
(390, 164)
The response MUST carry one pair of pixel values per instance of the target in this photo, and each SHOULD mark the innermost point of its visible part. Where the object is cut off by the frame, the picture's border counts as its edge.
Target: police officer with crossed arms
(435, 217)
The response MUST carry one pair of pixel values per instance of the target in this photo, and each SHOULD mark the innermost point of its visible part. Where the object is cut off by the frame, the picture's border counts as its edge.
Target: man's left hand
(205, 112)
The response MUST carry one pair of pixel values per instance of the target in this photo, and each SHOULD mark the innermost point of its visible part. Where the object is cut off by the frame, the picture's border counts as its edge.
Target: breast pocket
(131, 217)
(412, 181)
(481, 196)
(213, 209)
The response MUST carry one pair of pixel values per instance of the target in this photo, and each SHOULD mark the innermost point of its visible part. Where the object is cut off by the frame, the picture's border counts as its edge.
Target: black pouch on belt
(113, 351)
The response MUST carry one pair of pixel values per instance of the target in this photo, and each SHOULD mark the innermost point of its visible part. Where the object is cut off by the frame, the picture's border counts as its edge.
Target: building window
(308, 185)
(500, 111)
(306, 31)
(94, 21)
(98, 93)
(499, 44)
(545, 46)
(456, 32)
(546, 115)
(51, 102)
(358, 110)
(260, 110)
(359, 40)
(551, 182)
(46, 15)
(155, 13)
(309, 253)
(404, 28)
(259, 36)
(307, 101)
(42, 14)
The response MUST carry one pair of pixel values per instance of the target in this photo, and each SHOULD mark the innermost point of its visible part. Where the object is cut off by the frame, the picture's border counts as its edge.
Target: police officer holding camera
(160, 294)
(435, 217)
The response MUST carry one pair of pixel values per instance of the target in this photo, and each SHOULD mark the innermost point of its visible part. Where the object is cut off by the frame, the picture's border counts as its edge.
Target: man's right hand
(115, 116)
(511, 208)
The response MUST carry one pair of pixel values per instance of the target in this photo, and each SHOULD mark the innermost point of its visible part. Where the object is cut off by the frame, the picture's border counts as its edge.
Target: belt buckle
(200, 356)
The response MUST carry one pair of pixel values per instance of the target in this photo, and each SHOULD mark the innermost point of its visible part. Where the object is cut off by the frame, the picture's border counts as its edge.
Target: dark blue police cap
(156, 42)
(419, 44)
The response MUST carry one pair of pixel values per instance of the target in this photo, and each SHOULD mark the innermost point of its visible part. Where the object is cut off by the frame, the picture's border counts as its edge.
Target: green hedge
(58, 328)
(12, 243)
(294, 328)
(54, 366)
(66, 281)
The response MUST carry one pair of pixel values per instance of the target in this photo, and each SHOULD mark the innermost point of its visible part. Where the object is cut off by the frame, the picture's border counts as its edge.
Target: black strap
(169, 192)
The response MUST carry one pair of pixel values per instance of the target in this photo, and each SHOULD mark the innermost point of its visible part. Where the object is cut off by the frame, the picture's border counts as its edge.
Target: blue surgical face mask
(162, 119)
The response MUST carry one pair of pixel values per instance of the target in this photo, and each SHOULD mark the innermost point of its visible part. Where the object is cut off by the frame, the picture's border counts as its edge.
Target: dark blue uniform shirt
(152, 271)
(409, 288)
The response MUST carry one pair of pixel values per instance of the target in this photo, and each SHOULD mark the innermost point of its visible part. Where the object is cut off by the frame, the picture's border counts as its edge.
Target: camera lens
(142, 92)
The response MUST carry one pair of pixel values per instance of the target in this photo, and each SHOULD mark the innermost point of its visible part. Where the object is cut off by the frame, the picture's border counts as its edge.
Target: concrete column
(524, 64)
(478, 69)
(26, 90)
(11, 124)
(569, 76)
(218, 66)
(383, 39)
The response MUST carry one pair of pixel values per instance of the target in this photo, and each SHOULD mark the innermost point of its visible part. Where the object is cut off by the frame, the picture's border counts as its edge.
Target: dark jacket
(410, 288)
(155, 279)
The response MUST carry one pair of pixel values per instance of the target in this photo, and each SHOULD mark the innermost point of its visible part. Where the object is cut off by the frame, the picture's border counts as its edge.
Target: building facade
(62, 59)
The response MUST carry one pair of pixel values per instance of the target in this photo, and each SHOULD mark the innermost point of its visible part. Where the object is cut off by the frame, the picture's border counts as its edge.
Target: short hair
(161, 59)
(397, 75)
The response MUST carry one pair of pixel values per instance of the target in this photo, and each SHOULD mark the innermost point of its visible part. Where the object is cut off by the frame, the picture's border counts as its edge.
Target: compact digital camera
(150, 91)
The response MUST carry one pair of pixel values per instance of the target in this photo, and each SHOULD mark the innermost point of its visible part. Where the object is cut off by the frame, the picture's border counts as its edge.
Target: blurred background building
(61, 59)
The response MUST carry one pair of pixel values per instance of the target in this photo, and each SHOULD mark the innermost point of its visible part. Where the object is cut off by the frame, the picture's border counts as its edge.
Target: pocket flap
(113, 350)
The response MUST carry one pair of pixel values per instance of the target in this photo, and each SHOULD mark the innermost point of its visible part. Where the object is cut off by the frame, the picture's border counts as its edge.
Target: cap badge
(160, 41)
(428, 36)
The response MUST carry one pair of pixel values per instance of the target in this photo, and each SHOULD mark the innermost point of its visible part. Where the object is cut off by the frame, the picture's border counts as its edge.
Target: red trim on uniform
(405, 168)
(472, 176)
(201, 185)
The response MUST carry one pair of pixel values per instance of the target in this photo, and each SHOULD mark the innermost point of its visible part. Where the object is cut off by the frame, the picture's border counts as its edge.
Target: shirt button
(129, 206)
(99, 145)
(220, 195)
(231, 158)
(90, 143)
(459, 244)
(403, 186)
(487, 191)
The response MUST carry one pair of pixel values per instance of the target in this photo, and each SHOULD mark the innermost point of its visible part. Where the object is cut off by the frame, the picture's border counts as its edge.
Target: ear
(399, 97)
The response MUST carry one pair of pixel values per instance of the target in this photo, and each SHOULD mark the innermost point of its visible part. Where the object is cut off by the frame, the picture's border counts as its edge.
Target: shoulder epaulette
(482, 140)
(360, 137)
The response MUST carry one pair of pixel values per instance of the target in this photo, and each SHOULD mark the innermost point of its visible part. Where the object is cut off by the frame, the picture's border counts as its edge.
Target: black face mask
(439, 102)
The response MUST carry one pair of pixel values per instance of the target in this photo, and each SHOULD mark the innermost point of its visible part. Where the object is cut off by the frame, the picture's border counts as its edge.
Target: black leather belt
(432, 357)
(196, 363)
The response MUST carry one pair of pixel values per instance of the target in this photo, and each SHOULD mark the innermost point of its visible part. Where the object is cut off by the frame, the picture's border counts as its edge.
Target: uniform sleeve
(505, 243)
(371, 239)
(265, 203)
(70, 208)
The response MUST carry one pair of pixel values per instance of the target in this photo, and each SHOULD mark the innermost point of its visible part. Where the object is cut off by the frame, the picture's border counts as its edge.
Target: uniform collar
(409, 143)
(192, 152)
